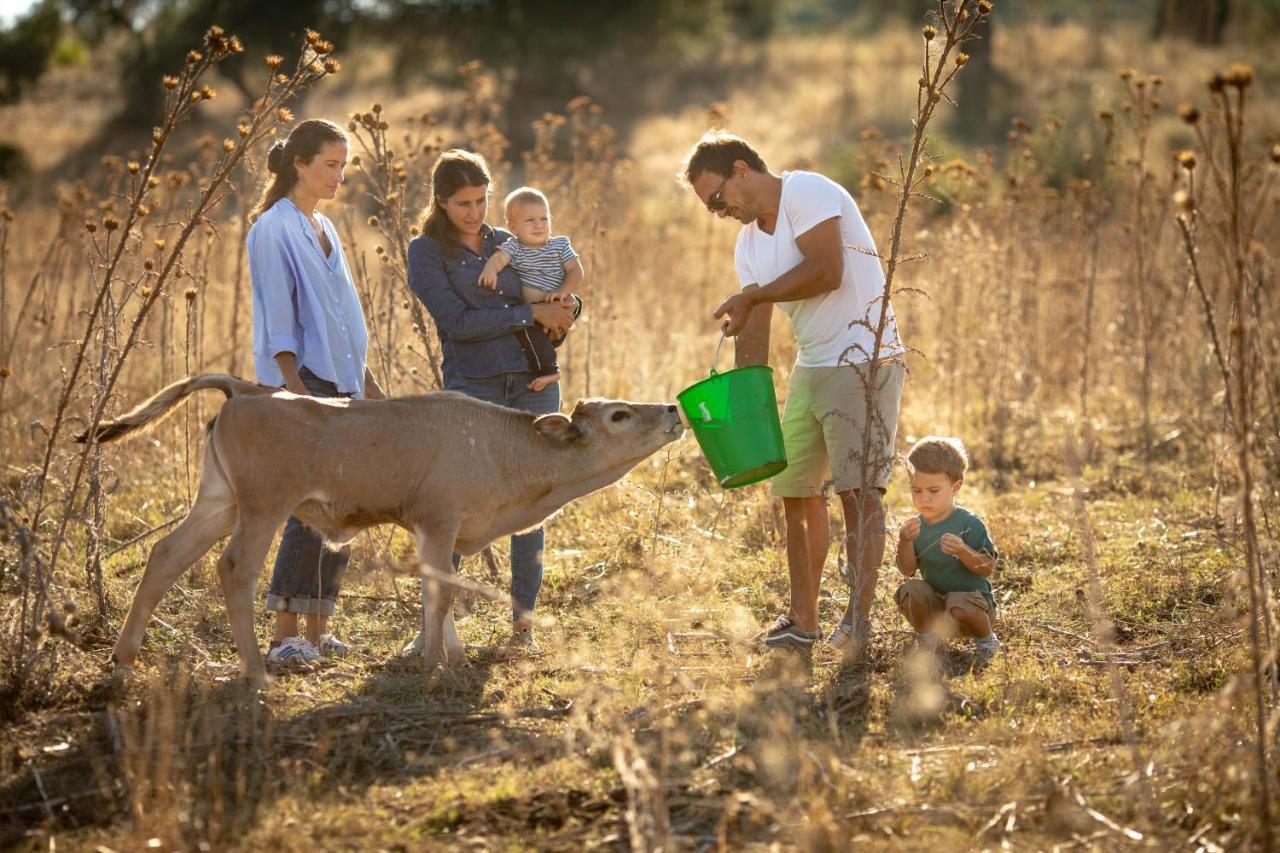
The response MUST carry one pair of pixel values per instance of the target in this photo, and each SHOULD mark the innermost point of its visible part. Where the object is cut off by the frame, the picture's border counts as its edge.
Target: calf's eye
(620, 416)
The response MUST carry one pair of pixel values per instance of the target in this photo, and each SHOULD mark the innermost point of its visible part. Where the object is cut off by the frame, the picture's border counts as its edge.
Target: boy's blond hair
(936, 454)
(525, 195)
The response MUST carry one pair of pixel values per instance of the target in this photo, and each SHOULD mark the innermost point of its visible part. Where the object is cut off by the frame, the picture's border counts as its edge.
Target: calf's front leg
(440, 644)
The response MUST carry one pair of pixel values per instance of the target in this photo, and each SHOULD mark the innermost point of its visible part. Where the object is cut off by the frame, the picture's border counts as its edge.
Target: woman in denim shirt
(482, 357)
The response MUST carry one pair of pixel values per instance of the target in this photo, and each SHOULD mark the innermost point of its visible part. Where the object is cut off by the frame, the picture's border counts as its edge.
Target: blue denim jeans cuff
(294, 604)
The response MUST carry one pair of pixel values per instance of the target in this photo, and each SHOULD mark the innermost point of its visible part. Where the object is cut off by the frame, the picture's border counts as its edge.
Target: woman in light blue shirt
(309, 337)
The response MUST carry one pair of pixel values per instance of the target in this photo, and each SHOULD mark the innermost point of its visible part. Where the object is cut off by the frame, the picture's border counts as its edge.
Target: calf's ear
(558, 428)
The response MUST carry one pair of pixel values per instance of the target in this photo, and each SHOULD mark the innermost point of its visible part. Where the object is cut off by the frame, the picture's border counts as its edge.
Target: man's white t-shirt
(836, 327)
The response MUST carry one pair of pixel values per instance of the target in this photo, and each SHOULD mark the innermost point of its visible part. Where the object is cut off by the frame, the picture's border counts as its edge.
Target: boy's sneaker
(930, 643)
(850, 640)
(331, 647)
(292, 653)
(841, 636)
(784, 633)
(986, 648)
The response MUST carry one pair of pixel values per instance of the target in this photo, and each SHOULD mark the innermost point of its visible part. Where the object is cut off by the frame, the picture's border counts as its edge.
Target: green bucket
(734, 417)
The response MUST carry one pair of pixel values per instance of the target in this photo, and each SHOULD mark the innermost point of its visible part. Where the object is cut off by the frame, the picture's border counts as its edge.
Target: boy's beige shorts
(823, 424)
(933, 601)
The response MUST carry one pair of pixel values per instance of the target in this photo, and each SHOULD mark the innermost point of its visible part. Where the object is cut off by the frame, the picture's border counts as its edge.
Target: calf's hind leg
(238, 570)
(211, 517)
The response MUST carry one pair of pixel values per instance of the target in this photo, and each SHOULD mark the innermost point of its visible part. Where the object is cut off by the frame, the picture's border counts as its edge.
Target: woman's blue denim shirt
(476, 324)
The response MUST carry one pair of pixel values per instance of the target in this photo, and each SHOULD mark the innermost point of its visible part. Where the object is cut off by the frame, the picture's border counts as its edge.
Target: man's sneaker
(986, 648)
(784, 633)
(292, 653)
(331, 647)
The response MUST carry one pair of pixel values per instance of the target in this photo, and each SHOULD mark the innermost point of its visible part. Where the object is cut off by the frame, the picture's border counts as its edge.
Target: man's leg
(808, 537)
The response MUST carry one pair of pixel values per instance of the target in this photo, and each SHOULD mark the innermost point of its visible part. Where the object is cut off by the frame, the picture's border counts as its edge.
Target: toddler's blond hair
(525, 195)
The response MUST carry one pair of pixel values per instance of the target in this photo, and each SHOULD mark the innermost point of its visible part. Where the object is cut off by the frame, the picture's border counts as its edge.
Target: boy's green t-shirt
(944, 572)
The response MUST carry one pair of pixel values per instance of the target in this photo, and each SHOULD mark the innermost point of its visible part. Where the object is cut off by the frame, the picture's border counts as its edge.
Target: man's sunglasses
(715, 201)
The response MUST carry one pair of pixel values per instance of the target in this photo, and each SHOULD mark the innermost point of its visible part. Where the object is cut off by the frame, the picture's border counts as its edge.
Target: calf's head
(613, 433)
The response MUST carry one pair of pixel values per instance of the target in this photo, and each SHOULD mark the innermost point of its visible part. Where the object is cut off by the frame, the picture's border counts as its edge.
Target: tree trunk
(1202, 21)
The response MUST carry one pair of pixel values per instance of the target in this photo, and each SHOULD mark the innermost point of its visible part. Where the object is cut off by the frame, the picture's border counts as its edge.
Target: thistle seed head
(929, 32)
(1239, 75)
(1189, 113)
(1186, 159)
(274, 61)
(190, 294)
(170, 82)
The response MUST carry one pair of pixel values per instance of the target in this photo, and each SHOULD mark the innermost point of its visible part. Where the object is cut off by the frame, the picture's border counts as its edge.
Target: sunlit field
(1090, 301)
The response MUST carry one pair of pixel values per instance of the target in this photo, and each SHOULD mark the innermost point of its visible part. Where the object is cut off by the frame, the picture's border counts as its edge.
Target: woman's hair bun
(275, 157)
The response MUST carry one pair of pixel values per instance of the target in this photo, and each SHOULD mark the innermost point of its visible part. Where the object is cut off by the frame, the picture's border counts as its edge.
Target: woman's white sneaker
(292, 653)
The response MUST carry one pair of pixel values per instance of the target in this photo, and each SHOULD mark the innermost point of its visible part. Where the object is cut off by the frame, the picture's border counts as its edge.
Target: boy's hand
(910, 529)
(489, 278)
(952, 545)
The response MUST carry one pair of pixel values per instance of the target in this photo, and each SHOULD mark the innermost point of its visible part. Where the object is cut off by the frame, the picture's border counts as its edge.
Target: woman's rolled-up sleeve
(455, 318)
(274, 284)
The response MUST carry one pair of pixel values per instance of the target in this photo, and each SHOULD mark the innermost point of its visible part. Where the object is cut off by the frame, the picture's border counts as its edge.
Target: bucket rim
(714, 376)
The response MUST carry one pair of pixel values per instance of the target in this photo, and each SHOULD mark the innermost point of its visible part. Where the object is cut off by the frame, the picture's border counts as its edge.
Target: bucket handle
(715, 359)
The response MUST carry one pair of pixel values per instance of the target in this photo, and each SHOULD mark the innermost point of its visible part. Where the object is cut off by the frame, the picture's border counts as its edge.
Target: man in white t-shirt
(805, 246)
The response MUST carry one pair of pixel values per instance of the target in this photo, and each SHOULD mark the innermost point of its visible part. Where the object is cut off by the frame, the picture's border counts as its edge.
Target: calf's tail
(154, 410)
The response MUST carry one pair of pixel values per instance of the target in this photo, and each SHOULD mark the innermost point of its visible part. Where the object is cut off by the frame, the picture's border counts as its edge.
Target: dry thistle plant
(940, 63)
(1241, 188)
(396, 178)
(1145, 229)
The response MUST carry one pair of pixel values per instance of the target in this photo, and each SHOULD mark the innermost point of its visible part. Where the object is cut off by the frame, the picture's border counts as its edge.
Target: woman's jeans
(512, 390)
(308, 574)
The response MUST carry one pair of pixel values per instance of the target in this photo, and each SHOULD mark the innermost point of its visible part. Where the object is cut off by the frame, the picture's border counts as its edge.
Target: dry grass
(650, 719)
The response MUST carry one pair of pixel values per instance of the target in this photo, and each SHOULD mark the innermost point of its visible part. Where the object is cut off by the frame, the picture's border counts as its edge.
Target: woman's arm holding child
(907, 546)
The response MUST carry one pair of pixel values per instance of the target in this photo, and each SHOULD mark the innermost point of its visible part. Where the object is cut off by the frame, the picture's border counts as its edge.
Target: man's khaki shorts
(933, 601)
(823, 423)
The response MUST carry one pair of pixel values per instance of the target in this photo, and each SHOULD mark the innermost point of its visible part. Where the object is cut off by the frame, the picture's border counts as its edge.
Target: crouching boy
(950, 548)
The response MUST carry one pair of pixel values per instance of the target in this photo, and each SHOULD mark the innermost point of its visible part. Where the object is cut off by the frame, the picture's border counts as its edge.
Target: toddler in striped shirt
(549, 272)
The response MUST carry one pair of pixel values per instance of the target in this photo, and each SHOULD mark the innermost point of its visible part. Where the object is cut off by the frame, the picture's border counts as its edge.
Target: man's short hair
(937, 455)
(525, 195)
(716, 152)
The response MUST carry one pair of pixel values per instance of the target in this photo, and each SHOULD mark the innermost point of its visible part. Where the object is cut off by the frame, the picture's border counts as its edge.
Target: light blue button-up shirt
(304, 302)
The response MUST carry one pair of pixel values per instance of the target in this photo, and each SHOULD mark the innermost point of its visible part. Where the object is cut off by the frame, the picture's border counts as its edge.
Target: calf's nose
(671, 407)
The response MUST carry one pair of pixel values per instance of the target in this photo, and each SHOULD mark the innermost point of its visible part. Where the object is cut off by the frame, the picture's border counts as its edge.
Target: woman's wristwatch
(577, 305)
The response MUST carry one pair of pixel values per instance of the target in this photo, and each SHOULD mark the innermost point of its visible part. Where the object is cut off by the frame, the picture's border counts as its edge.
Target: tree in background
(26, 48)
(553, 50)
(1201, 21)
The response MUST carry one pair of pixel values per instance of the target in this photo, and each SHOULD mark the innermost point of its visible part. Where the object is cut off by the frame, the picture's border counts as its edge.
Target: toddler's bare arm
(497, 262)
(573, 276)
